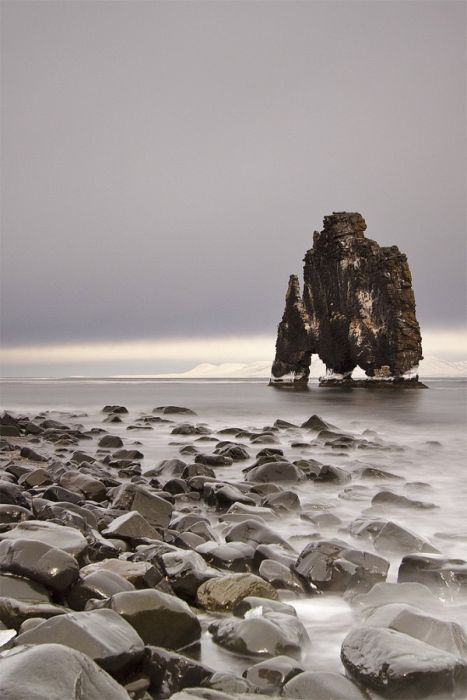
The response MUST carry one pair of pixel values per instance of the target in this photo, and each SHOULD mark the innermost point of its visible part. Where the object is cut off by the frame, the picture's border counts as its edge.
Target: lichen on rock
(357, 309)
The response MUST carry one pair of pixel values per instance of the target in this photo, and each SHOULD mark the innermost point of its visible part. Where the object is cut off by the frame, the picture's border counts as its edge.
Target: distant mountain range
(429, 367)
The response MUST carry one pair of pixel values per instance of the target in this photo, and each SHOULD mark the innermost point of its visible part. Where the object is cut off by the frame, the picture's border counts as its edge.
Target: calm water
(424, 432)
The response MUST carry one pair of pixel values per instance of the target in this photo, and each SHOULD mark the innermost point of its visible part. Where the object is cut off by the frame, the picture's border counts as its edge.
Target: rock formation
(357, 309)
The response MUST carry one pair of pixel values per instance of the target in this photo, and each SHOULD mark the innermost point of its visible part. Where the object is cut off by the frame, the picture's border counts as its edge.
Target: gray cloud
(165, 163)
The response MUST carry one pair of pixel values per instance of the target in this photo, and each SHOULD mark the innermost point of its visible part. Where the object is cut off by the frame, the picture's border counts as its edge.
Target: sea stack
(357, 309)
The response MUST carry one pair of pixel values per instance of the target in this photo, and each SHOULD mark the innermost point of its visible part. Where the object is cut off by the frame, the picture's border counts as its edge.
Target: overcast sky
(164, 164)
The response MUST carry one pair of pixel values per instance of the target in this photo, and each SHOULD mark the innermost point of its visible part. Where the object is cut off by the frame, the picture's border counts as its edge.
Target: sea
(421, 434)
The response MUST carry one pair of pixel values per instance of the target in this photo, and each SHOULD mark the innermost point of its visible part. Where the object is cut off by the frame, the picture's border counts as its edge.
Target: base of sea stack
(288, 385)
(389, 383)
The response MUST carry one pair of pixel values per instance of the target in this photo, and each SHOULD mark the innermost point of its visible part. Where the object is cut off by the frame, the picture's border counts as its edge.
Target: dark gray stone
(47, 565)
(101, 634)
(397, 665)
(55, 672)
(159, 619)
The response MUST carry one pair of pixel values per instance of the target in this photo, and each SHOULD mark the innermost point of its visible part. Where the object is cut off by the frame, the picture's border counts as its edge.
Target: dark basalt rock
(330, 565)
(14, 612)
(40, 562)
(101, 634)
(158, 618)
(322, 686)
(439, 573)
(171, 672)
(275, 471)
(399, 666)
(271, 634)
(271, 675)
(408, 619)
(98, 586)
(66, 538)
(357, 308)
(55, 672)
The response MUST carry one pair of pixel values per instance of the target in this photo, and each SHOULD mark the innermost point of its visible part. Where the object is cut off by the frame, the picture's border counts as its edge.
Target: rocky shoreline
(113, 578)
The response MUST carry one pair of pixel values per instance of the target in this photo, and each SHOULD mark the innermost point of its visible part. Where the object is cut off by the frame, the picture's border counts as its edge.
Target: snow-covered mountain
(429, 367)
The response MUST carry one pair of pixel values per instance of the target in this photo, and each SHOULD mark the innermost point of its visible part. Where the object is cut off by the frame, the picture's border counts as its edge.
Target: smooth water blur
(423, 433)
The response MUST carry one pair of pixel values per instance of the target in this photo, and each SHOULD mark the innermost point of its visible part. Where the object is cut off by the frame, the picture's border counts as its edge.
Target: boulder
(441, 574)
(54, 672)
(159, 618)
(331, 565)
(41, 562)
(322, 686)
(443, 634)
(276, 471)
(101, 634)
(271, 634)
(171, 672)
(156, 510)
(110, 441)
(399, 666)
(97, 586)
(270, 675)
(66, 538)
(224, 593)
(139, 573)
(131, 526)
(14, 612)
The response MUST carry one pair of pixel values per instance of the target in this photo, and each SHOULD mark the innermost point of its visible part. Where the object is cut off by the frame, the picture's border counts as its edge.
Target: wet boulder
(12, 514)
(275, 471)
(23, 589)
(159, 618)
(97, 586)
(28, 453)
(101, 634)
(156, 510)
(217, 460)
(408, 593)
(224, 495)
(62, 537)
(399, 666)
(190, 429)
(180, 410)
(269, 634)
(280, 576)
(269, 676)
(329, 473)
(171, 672)
(14, 612)
(84, 485)
(316, 423)
(254, 532)
(233, 451)
(54, 672)
(110, 442)
(232, 556)
(224, 593)
(443, 634)
(10, 494)
(141, 574)
(131, 526)
(322, 686)
(41, 562)
(331, 565)
(391, 499)
(186, 570)
(439, 573)
(114, 409)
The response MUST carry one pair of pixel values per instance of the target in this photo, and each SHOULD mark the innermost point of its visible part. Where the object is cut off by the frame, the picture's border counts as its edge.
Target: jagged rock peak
(357, 308)
(344, 223)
